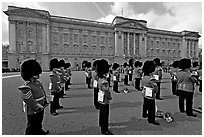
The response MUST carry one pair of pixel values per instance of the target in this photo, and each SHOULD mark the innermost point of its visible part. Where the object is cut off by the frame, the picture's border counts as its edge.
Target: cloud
(178, 16)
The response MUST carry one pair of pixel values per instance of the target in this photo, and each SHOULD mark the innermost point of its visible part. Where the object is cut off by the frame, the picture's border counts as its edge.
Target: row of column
(119, 43)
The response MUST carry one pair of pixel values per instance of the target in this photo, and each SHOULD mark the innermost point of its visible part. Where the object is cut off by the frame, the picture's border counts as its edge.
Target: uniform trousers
(149, 109)
(188, 96)
(158, 93)
(55, 103)
(67, 83)
(173, 84)
(200, 86)
(115, 86)
(89, 82)
(104, 117)
(126, 80)
(137, 83)
(130, 77)
(34, 124)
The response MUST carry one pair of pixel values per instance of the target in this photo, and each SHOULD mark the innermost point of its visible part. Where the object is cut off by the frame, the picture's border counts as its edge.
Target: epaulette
(24, 86)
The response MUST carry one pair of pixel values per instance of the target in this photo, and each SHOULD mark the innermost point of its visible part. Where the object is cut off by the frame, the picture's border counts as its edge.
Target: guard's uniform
(158, 76)
(88, 76)
(33, 95)
(149, 100)
(130, 73)
(95, 89)
(137, 77)
(55, 90)
(200, 79)
(126, 72)
(68, 75)
(185, 90)
(62, 81)
(104, 106)
(173, 73)
(115, 80)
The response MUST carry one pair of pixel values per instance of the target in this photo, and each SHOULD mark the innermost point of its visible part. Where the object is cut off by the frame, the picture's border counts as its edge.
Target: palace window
(102, 40)
(76, 38)
(20, 33)
(30, 33)
(85, 38)
(65, 37)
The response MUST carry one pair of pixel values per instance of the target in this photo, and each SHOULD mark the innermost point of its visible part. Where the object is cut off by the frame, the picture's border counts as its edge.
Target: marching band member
(186, 81)
(158, 76)
(55, 86)
(68, 74)
(174, 70)
(104, 96)
(149, 92)
(115, 77)
(34, 97)
(63, 78)
(137, 74)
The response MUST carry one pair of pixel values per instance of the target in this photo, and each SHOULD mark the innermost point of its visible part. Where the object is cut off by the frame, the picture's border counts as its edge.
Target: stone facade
(36, 34)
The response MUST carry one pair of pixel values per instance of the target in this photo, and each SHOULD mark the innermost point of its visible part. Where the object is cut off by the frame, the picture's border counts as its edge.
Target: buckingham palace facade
(36, 34)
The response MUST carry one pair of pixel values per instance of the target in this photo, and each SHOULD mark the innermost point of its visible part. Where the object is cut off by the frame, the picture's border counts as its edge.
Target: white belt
(38, 99)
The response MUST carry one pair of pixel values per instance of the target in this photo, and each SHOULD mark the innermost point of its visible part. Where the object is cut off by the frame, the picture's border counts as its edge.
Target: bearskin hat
(175, 64)
(157, 61)
(102, 68)
(61, 63)
(137, 63)
(115, 66)
(184, 63)
(148, 67)
(30, 68)
(88, 64)
(195, 64)
(54, 64)
(140, 64)
(95, 64)
(125, 64)
(67, 65)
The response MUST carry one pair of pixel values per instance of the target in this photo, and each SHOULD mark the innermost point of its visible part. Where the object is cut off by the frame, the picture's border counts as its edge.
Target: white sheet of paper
(156, 77)
(114, 78)
(100, 96)
(95, 83)
(148, 92)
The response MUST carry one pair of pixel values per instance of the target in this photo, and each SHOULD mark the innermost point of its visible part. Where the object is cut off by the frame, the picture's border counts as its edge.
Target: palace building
(36, 34)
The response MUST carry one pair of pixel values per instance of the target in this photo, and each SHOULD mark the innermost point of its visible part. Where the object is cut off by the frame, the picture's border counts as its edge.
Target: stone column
(128, 44)
(134, 43)
(116, 43)
(122, 44)
(47, 49)
(12, 36)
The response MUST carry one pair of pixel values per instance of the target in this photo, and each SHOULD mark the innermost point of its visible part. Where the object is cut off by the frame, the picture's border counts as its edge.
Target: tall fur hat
(184, 63)
(88, 64)
(175, 64)
(54, 64)
(148, 67)
(30, 68)
(140, 64)
(157, 61)
(95, 63)
(102, 68)
(67, 65)
(125, 64)
(195, 64)
(115, 66)
(61, 63)
(137, 63)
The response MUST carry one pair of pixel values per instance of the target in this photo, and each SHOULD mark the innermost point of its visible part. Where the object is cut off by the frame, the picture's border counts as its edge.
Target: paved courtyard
(79, 117)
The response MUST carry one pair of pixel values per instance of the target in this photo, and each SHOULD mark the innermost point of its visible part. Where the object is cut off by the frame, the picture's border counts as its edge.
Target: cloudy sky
(171, 16)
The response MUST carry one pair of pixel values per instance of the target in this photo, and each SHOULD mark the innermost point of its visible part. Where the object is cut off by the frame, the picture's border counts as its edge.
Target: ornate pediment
(25, 12)
(132, 25)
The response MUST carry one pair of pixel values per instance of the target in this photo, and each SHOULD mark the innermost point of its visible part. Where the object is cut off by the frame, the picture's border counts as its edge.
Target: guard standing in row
(34, 97)
(137, 74)
(186, 81)
(115, 77)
